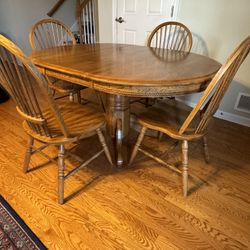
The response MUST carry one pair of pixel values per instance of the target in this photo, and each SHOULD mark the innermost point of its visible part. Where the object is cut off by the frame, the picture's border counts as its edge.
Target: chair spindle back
(210, 100)
(171, 35)
(22, 81)
(48, 33)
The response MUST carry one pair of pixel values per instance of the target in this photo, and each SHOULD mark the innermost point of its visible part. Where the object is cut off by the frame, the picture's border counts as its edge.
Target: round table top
(128, 65)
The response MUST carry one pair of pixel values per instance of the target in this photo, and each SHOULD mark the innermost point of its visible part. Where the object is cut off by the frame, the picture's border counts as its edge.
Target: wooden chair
(168, 35)
(46, 121)
(184, 124)
(171, 35)
(48, 33)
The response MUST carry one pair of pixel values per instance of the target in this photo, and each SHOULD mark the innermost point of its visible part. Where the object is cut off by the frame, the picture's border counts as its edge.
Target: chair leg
(61, 155)
(206, 152)
(71, 97)
(160, 135)
(28, 154)
(137, 144)
(79, 98)
(101, 102)
(185, 166)
(104, 145)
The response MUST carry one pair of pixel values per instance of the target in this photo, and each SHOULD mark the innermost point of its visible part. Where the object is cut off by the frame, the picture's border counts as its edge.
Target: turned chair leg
(71, 96)
(160, 135)
(61, 155)
(28, 154)
(100, 100)
(104, 145)
(137, 145)
(79, 98)
(185, 167)
(206, 152)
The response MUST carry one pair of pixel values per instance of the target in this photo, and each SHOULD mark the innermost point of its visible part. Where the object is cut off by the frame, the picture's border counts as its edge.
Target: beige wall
(105, 21)
(222, 25)
(17, 17)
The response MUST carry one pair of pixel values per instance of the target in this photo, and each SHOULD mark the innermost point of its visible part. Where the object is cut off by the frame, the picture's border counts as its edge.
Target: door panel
(154, 7)
(129, 36)
(129, 6)
(139, 18)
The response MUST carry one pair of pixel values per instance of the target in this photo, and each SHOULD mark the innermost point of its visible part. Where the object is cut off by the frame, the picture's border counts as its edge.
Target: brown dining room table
(123, 71)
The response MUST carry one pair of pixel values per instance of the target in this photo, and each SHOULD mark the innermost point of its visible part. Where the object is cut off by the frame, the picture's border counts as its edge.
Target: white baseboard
(224, 115)
(232, 118)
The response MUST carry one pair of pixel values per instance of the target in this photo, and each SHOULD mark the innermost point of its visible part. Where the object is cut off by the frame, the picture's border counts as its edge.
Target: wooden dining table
(123, 71)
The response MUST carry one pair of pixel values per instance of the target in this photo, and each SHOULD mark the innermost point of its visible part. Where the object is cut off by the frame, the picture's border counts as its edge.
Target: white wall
(18, 16)
(222, 25)
(105, 21)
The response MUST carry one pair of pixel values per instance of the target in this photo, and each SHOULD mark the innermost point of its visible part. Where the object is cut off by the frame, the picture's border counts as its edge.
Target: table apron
(129, 90)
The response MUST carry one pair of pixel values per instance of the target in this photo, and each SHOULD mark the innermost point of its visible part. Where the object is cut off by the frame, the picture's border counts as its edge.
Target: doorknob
(120, 20)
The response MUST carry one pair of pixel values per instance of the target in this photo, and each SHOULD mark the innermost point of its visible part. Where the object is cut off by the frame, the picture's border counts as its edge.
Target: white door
(135, 19)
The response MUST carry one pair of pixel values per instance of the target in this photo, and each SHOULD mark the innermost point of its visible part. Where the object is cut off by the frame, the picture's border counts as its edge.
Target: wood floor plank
(158, 213)
(140, 207)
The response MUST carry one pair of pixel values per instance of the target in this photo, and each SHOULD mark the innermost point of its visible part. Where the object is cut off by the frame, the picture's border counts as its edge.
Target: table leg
(118, 122)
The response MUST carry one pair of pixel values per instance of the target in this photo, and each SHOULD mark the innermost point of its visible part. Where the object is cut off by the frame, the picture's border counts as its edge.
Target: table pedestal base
(118, 119)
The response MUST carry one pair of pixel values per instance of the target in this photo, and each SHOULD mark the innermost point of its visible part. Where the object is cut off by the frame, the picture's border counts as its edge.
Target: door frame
(175, 3)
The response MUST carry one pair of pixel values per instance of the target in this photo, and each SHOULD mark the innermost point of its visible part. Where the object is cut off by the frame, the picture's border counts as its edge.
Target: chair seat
(168, 116)
(81, 121)
(64, 86)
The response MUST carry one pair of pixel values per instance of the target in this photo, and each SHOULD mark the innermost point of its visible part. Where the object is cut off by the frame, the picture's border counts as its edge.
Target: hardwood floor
(140, 207)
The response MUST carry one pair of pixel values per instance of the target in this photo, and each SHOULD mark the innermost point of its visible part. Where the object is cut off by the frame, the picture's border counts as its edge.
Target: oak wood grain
(127, 69)
(55, 7)
(139, 208)
(47, 33)
(46, 121)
